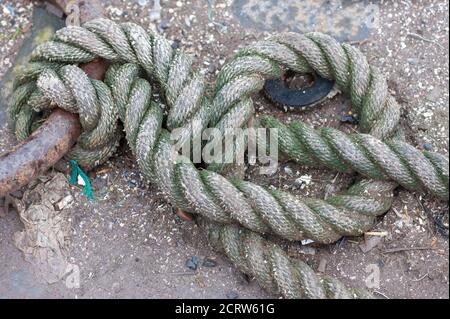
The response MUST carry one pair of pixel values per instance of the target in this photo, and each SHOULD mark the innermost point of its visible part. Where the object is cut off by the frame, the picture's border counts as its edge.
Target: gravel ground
(15, 22)
(129, 243)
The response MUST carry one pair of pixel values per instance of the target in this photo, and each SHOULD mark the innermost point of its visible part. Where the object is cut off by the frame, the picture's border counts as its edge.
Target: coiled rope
(51, 79)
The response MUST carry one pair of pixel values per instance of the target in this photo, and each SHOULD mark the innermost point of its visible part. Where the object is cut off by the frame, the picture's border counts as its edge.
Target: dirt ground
(130, 244)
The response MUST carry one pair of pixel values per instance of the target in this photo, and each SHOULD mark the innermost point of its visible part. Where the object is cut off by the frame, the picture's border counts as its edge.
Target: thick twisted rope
(312, 52)
(273, 268)
(365, 154)
(204, 192)
(378, 111)
(210, 194)
(90, 98)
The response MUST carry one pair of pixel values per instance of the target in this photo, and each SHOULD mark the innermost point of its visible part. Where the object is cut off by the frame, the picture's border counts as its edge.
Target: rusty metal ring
(55, 137)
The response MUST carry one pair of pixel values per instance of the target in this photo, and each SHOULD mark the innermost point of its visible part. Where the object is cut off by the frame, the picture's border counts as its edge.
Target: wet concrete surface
(345, 20)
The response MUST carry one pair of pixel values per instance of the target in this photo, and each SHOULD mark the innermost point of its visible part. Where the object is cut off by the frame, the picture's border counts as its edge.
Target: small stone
(163, 25)
(322, 265)
(288, 171)
(427, 146)
(212, 68)
(232, 295)
(155, 13)
(303, 181)
(187, 21)
(142, 2)
(176, 44)
(8, 9)
(192, 263)
(412, 61)
(307, 250)
(132, 183)
(350, 119)
(208, 262)
(428, 113)
(306, 241)
(65, 202)
(370, 243)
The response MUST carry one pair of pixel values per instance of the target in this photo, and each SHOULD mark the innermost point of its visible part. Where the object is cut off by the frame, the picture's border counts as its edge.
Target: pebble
(7, 9)
(155, 13)
(163, 25)
(303, 181)
(176, 44)
(322, 265)
(192, 263)
(132, 183)
(208, 262)
(427, 146)
(370, 243)
(187, 21)
(306, 241)
(350, 119)
(212, 68)
(307, 250)
(65, 202)
(288, 170)
(232, 295)
(412, 61)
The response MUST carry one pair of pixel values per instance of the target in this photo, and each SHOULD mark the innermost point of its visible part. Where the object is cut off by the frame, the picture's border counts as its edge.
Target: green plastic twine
(76, 170)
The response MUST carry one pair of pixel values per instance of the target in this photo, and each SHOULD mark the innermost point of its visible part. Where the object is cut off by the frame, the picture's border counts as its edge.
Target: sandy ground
(130, 244)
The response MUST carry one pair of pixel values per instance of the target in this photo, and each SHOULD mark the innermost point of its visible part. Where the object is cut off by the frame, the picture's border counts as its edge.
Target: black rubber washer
(285, 97)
